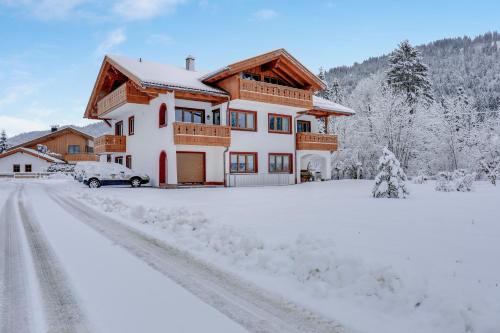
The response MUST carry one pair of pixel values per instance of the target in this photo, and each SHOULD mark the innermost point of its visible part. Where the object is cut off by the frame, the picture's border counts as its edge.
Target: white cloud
(48, 9)
(15, 125)
(15, 93)
(113, 39)
(144, 9)
(265, 14)
(156, 39)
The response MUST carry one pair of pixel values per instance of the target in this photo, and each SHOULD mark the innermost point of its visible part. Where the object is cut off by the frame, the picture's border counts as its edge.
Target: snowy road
(78, 270)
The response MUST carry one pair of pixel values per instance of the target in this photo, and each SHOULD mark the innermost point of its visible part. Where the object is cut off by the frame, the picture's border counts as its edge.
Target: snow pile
(458, 180)
(420, 179)
(310, 261)
(390, 181)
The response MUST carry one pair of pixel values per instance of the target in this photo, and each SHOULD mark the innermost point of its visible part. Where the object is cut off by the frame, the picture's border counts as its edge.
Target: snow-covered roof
(33, 139)
(155, 74)
(32, 152)
(325, 104)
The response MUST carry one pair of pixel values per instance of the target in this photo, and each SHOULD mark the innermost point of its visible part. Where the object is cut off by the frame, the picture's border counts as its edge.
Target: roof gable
(59, 132)
(279, 61)
(31, 152)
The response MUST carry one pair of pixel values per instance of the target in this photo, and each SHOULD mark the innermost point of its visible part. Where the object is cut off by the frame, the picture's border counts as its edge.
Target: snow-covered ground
(428, 263)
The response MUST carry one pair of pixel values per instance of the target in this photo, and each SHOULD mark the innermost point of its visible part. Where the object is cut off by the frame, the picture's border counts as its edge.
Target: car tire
(94, 183)
(135, 182)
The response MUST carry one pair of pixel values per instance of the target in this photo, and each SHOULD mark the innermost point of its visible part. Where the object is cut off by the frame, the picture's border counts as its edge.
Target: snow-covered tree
(490, 166)
(322, 76)
(334, 92)
(408, 74)
(3, 142)
(391, 179)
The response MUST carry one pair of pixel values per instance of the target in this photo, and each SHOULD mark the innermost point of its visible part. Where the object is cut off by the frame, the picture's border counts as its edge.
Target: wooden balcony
(316, 141)
(80, 157)
(275, 94)
(201, 134)
(110, 144)
(126, 93)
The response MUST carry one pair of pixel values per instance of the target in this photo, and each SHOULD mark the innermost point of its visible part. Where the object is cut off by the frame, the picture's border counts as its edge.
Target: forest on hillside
(436, 106)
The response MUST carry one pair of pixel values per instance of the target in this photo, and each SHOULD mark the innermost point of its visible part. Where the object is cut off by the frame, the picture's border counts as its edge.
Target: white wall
(37, 164)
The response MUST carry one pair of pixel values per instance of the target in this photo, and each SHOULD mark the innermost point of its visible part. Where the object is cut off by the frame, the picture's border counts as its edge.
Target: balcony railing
(201, 134)
(80, 157)
(126, 93)
(316, 141)
(275, 94)
(110, 144)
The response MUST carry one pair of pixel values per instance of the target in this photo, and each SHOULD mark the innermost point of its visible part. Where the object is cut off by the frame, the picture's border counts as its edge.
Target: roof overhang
(52, 135)
(29, 152)
(319, 113)
(280, 60)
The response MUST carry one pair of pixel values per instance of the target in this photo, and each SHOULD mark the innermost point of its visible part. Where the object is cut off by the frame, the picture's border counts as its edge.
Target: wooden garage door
(190, 167)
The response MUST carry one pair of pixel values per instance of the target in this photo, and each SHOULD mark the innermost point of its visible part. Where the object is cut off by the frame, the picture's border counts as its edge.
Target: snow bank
(348, 286)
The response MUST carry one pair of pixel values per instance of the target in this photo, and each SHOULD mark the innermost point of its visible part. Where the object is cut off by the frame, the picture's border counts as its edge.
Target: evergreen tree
(334, 92)
(390, 181)
(3, 142)
(408, 75)
(322, 76)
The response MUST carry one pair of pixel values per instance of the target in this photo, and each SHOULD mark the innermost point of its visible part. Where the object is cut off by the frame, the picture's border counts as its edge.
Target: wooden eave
(319, 113)
(281, 62)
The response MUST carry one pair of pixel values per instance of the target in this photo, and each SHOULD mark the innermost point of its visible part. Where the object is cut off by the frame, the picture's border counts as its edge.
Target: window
(131, 125)
(303, 126)
(250, 76)
(273, 80)
(280, 123)
(190, 116)
(16, 168)
(280, 163)
(244, 120)
(162, 115)
(27, 168)
(108, 158)
(73, 149)
(243, 162)
(119, 160)
(128, 161)
(119, 128)
(216, 117)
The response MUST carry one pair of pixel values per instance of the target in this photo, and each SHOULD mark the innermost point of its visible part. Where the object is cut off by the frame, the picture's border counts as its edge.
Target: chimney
(190, 63)
(54, 128)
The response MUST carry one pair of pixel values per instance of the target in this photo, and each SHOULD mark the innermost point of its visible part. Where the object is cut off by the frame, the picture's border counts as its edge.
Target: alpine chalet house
(254, 122)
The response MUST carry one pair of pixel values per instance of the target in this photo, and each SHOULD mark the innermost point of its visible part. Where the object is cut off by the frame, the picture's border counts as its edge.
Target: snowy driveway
(69, 268)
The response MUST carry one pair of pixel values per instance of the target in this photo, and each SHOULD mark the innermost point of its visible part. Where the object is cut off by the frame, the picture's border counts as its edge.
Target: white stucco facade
(149, 140)
(23, 159)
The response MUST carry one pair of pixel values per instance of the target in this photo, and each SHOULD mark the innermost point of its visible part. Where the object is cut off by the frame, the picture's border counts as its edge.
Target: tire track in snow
(61, 309)
(15, 310)
(255, 309)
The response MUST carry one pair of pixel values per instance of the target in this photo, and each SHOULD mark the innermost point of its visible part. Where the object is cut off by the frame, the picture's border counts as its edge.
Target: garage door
(190, 167)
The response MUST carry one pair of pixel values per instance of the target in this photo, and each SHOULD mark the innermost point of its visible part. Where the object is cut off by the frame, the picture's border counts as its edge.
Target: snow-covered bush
(390, 181)
(458, 180)
(491, 168)
(420, 179)
(444, 182)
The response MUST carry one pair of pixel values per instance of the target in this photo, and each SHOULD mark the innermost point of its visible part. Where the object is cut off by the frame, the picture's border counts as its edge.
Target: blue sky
(51, 50)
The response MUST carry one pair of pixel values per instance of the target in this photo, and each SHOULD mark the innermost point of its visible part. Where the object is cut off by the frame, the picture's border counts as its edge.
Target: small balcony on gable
(201, 134)
(274, 93)
(126, 93)
(107, 144)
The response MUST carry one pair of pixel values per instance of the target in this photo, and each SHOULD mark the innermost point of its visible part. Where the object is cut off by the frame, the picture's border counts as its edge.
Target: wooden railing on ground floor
(110, 144)
(316, 141)
(201, 134)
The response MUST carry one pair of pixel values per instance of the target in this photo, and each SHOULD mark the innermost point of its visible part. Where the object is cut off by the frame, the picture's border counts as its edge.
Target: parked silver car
(102, 174)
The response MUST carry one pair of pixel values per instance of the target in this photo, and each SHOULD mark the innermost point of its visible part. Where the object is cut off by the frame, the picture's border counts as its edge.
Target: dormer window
(250, 76)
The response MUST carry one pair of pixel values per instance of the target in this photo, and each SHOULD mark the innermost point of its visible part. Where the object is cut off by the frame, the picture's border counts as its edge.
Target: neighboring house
(249, 123)
(25, 160)
(65, 143)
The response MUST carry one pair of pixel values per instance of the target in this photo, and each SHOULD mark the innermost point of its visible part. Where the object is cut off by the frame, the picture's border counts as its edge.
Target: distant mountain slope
(95, 130)
(473, 64)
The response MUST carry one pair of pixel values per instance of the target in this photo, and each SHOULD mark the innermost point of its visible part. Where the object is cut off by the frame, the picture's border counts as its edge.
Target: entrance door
(190, 167)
